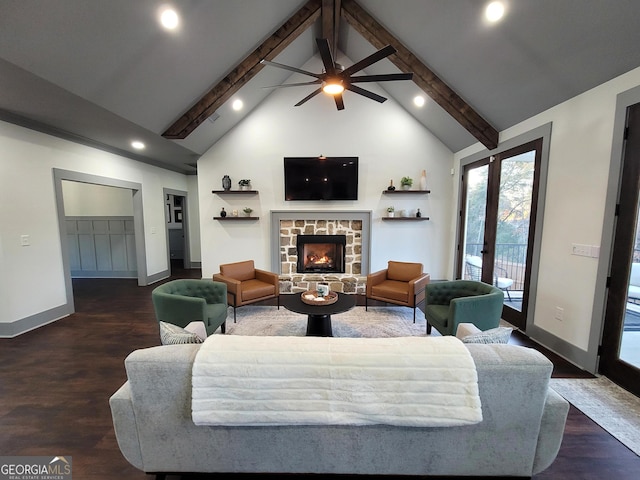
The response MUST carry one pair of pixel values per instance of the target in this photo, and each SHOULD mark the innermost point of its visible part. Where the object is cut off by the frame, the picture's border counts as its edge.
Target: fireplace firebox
(321, 253)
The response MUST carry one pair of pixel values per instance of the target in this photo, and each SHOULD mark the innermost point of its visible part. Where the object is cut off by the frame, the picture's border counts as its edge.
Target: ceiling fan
(335, 79)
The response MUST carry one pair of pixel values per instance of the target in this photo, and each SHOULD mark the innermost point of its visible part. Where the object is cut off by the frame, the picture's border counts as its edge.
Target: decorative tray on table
(310, 297)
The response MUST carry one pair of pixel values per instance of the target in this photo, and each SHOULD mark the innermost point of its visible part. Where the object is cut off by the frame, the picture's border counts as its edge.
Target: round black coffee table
(318, 317)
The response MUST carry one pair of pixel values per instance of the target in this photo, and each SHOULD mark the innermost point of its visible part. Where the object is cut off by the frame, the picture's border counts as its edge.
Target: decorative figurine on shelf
(226, 182)
(418, 214)
(423, 180)
(391, 188)
(223, 213)
(391, 211)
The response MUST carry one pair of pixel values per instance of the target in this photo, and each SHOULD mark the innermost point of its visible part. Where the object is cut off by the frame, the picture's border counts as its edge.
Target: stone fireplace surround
(287, 224)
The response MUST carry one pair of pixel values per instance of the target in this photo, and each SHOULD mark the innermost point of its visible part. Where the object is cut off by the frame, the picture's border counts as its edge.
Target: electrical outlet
(559, 314)
(580, 249)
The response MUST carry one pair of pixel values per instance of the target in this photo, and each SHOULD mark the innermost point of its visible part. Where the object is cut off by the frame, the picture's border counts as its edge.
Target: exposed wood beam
(331, 24)
(428, 81)
(245, 71)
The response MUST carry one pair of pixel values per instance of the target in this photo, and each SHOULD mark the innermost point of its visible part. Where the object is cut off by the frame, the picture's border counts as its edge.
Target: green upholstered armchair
(453, 302)
(181, 302)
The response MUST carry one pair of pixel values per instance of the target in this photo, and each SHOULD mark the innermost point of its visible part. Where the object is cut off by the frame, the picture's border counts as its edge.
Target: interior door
(499, 198)
(620, 352)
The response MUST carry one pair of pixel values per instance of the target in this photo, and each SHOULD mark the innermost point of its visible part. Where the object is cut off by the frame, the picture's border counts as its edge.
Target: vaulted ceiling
(104, 72)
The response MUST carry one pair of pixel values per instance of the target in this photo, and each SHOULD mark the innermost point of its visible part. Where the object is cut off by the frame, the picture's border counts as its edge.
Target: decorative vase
(391, 214)
(406, 187)
(418, 214)
(223, 213)
(391, 188)
(226, 182)
(423, 180)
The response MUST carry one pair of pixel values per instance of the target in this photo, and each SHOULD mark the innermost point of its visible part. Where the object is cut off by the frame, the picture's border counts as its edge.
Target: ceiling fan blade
(382, 78)
(370, 60)
(291, 69)
(325, 54)
(315, 82)
(366, 93)
(308, 97)
(339, 101)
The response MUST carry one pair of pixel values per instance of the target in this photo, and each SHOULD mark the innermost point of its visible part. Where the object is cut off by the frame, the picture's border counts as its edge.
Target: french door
(499, 199)
(620, 353)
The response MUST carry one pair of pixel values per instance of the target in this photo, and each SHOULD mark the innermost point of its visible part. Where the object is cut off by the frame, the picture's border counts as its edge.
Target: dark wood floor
(55, 383)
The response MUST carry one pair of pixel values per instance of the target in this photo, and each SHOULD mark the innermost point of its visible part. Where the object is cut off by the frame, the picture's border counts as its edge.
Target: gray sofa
(519, 435)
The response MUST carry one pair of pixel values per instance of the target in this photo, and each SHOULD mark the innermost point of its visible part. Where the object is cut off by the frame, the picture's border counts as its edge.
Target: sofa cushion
(241, 271)
(392, 289)
(493, 335)
(254, 289)
(171, 334)
(403, 271)
(438, 313)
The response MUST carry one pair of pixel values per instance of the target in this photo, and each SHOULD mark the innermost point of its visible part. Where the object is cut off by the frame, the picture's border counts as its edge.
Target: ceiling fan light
(333, 88)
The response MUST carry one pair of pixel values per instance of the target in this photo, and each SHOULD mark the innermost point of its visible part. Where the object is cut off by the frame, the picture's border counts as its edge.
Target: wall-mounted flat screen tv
(314, 178)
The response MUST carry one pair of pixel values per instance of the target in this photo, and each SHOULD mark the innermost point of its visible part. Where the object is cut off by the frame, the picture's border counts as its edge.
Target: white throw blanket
(410, 381)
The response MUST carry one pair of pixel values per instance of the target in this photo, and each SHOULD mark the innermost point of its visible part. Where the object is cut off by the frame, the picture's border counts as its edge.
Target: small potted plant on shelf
(247, 211)
(245, 184)
(406, 182)
(391, 211)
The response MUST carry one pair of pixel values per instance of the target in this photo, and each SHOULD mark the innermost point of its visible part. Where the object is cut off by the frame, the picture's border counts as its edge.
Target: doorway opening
(177, 230)
(501, 196)
(138, 224)
(620, 352)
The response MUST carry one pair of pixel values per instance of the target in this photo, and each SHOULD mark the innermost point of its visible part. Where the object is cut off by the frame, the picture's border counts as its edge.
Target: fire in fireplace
(321, 253)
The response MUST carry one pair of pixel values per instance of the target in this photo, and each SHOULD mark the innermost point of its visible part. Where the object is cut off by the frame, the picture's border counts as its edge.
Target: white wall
(87, 200)
(33, 277)
(389, 143)
(579, 160)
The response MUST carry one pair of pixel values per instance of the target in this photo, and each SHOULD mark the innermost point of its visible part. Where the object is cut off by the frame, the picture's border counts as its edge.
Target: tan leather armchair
(401, 283)
(247, 284)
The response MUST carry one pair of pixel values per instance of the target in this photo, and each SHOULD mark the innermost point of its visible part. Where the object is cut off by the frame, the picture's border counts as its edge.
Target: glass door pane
(476, 181)
(630, 338)
(512, 228)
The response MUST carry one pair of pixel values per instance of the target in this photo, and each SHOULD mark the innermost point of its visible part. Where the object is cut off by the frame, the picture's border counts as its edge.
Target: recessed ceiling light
(237, 105)
(419, 101)
(494, 11)
(137, 145)
(169, 19)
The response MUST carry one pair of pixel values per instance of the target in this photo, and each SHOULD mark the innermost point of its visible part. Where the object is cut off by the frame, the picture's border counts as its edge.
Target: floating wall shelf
(393, 192)
(411, 219)
(231, 217)
(235, 192)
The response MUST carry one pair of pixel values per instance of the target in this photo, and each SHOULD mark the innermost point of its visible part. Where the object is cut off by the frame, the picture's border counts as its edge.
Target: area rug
(609, 405)
(377, 322)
